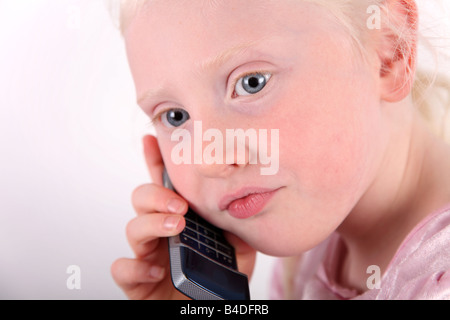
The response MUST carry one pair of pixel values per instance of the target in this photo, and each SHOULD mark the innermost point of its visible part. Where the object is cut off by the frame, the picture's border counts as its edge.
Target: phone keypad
(207, 240)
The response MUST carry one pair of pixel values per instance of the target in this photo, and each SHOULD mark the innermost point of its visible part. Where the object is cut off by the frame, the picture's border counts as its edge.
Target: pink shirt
(419, 270)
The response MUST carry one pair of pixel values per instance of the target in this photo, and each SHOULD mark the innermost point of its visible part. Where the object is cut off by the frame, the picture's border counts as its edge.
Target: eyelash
(157, 118)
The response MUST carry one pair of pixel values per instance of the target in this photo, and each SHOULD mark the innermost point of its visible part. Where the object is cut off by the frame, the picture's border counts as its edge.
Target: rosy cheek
(323, 146)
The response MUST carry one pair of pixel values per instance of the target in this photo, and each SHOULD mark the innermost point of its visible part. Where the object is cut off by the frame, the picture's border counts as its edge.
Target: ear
(397, 49)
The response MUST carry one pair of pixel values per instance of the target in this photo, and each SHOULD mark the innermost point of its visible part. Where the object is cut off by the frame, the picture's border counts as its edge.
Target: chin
(279, 246)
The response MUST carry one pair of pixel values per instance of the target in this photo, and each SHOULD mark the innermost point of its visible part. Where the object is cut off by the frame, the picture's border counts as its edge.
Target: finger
(144, 231)
(153, 158)
(150, 198)
(129, 273)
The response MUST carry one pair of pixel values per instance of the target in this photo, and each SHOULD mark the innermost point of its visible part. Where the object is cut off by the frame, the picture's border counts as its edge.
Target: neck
(410, 185)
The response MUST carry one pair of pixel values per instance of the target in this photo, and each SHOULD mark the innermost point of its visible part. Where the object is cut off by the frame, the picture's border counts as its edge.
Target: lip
(246, 202)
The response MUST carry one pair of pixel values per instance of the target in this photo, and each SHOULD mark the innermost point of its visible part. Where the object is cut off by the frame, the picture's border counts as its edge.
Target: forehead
(172, 36)
(201, 26)
(189, 19)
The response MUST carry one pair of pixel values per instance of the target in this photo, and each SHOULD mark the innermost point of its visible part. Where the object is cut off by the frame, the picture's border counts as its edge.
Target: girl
(362, 184)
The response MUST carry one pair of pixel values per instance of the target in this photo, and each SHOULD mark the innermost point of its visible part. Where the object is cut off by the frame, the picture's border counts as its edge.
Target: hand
(159, 215)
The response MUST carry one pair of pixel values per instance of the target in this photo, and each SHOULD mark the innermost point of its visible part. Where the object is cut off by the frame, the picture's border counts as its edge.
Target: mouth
(247, 202)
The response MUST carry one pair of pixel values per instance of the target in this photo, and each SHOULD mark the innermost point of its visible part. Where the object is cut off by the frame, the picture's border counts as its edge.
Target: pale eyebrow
(226, 55)
(206, 65)
(150, 94)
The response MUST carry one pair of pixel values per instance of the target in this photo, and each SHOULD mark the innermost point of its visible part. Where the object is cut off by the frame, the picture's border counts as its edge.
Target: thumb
(153, 158)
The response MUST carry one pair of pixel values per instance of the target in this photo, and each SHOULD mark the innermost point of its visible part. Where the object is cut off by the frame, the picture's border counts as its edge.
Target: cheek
(180, 174)
(334, 163)
(328, 161)
(328, 142)
(184, 176)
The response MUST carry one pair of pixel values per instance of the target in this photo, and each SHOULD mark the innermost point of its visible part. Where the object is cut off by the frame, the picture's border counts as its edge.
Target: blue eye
(251, 84)
(174, 118)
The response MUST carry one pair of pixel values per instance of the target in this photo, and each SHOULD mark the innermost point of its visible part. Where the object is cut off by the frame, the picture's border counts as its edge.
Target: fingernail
(175, 205)
(170, 223)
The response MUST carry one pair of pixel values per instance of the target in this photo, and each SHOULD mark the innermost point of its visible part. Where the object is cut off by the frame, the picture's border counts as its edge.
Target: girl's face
(308, 82)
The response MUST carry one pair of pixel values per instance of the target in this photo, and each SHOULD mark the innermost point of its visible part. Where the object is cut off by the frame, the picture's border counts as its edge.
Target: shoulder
(297, 277)
(421, 267)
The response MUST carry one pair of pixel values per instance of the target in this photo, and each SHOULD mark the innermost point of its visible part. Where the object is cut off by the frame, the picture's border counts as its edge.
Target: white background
(70, 137)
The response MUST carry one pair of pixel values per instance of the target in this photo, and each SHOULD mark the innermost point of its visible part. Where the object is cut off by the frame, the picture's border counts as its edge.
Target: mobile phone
(202, 262)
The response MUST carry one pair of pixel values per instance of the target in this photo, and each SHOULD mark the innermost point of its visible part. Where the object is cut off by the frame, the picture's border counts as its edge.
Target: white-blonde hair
(431, 88)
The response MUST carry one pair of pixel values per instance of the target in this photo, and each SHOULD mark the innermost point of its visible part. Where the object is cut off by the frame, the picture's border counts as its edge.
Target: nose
(225, 151)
